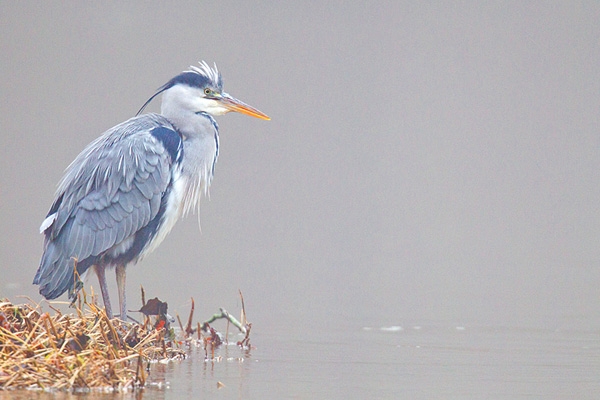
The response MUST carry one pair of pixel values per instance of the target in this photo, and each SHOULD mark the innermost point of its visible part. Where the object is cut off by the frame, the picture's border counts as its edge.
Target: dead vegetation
(87, 351)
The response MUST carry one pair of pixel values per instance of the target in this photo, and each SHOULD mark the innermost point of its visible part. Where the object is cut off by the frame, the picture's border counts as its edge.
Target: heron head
(200, 89)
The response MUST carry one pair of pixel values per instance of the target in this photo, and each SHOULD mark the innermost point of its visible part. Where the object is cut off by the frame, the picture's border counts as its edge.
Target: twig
(229, 317)
(188, 328)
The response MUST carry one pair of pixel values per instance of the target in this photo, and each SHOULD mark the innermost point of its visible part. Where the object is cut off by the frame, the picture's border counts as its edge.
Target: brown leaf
(154, 307)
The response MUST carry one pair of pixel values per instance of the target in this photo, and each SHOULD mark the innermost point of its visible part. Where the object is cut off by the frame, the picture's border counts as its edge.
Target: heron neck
(200, 151)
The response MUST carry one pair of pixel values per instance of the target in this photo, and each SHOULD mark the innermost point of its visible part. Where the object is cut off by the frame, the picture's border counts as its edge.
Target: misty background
(423, 161)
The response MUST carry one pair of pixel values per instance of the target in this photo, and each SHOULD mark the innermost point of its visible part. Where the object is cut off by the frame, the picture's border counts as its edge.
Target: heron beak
(233, 104)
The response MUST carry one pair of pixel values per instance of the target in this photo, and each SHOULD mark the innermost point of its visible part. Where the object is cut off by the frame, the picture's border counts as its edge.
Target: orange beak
(233, 104)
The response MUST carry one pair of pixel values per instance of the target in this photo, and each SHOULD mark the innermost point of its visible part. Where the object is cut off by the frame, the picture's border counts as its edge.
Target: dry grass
(76, 352)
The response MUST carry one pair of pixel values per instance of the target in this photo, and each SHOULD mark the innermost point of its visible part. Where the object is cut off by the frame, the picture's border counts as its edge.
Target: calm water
(415, 361)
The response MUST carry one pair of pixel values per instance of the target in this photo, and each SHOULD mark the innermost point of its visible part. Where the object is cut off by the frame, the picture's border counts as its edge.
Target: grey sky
(423, 161)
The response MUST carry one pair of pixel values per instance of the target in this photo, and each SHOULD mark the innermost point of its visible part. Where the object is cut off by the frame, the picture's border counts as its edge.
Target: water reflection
(202, 372)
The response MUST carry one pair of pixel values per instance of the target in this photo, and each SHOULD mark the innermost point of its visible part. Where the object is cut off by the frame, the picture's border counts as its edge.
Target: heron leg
(101, 272)
(120, 270)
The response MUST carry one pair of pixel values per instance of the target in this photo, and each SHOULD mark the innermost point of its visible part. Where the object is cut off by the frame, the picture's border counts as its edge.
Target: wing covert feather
(130, 174)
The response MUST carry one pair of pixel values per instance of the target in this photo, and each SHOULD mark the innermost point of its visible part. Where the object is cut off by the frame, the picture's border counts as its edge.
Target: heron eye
(207, 91)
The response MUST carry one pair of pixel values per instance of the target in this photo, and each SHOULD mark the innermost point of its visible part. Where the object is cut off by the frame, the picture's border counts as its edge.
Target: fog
(423, 161)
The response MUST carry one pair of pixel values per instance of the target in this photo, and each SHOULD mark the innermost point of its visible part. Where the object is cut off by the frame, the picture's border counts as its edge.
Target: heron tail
(57, 273)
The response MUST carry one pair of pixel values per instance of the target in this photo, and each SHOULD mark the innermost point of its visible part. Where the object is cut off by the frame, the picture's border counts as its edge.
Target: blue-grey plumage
(122, 195)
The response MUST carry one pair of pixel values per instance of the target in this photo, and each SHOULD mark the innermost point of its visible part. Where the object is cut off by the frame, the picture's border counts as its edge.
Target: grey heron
(124, 192)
